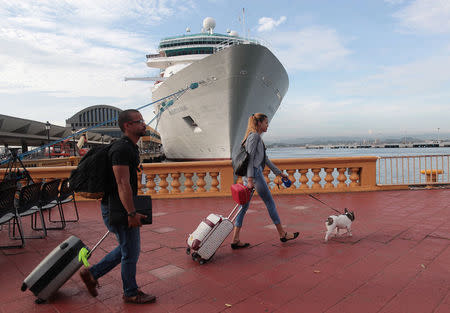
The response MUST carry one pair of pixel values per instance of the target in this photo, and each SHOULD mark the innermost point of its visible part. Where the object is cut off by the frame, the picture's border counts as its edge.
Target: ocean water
(300, 152)
(389, 171)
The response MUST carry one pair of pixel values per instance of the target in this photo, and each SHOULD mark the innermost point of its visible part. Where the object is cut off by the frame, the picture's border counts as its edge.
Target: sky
(356, 68)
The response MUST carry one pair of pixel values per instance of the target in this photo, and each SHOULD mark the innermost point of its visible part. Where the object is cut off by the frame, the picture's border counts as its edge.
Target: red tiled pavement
(398, 259)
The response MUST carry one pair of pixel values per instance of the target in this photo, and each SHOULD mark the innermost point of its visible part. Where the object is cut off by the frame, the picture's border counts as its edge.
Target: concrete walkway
(398, 259)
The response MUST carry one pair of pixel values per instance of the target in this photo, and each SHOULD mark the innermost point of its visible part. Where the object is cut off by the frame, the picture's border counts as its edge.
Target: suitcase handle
(84, 253)
(99, 242)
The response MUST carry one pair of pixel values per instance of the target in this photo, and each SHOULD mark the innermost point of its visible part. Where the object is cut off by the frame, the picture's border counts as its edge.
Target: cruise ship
(237, 77)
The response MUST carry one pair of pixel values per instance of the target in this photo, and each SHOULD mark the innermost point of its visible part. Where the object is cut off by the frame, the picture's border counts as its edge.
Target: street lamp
(47, 127)
(73, 140)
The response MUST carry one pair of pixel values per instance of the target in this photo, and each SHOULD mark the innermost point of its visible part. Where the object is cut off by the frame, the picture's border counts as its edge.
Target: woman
(257, 124)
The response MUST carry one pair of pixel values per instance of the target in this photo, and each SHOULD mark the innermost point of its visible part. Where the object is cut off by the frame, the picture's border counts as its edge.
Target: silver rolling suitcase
(210, 234)
(54, 270)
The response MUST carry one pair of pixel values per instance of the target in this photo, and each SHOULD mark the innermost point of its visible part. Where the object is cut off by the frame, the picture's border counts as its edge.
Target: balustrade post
(342, 178)
(150, 184)
(316, 178)
(277, 181)
(354, 177)
(291, 178)
(226, 179)
(188, 182)
(214, 181)
(303, 179)
(201, 182)
(163, 183)
(329, 178)
(175, 182)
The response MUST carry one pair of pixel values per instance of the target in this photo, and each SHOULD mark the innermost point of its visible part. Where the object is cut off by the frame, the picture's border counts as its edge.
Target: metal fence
(413, 170)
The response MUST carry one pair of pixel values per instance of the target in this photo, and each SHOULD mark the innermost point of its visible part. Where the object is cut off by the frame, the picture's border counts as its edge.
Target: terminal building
(24, 133)
(150, 145)
(94, 115)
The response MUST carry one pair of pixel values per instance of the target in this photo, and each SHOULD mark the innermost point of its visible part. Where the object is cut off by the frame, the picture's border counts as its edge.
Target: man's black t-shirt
(123, 152)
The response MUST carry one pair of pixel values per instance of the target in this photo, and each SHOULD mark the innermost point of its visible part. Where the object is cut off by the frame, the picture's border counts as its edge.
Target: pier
(396, 261)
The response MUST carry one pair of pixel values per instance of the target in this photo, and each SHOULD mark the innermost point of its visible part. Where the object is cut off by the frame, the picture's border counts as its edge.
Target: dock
(397, 260)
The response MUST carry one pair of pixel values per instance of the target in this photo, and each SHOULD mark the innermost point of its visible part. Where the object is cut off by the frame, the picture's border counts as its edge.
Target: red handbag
(241, 194)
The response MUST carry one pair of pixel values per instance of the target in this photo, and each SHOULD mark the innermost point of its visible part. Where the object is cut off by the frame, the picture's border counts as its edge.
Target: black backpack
(93, 175)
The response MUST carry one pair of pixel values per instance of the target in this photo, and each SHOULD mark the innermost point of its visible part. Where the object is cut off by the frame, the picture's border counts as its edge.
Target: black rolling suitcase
(58, 267)
(54, 270)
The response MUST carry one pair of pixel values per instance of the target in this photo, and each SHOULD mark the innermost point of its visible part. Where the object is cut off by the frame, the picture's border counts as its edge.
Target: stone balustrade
(214, 178)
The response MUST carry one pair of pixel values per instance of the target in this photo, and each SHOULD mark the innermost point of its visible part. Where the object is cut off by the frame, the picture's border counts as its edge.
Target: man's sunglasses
(137, 122)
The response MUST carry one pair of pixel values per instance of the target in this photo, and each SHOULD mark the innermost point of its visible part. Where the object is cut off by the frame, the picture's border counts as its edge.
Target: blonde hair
(253, 124)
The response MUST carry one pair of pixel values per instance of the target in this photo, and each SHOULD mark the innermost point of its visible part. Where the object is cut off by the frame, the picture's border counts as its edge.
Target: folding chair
(47, 201)
(66, 195)
(8, 212)
(28, 204)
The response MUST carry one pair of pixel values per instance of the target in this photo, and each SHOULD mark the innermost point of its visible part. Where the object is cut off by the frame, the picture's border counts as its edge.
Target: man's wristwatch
(132, 214)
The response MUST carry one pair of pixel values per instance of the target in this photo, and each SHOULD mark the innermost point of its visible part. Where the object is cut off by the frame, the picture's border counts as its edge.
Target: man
(124, 157)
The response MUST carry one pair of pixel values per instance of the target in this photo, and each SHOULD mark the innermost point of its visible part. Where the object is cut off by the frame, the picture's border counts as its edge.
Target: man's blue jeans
(264, 192)
(126, 253)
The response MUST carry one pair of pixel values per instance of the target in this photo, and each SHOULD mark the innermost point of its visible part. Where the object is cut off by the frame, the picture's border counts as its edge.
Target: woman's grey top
(255, 148)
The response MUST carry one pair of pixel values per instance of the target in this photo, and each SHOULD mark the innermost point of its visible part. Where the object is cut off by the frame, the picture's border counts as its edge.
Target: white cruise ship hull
(209, 122)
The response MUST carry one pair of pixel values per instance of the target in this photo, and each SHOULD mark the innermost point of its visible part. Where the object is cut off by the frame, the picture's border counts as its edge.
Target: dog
(337, 222)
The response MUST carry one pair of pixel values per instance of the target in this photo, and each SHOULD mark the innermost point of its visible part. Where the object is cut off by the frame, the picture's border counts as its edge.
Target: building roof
(15, 131)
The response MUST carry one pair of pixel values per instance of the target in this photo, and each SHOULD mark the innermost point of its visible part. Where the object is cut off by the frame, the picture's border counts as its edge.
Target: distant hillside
(336, 140)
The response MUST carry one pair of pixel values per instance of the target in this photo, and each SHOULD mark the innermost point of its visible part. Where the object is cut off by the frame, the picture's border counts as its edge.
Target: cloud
(427, 77)
(268, 23)
(309, 49)
(57, 54)
(76, 48)
(425, 16)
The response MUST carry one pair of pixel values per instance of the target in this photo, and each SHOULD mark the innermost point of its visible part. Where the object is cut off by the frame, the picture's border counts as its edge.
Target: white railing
(413, 170)
(233, 42)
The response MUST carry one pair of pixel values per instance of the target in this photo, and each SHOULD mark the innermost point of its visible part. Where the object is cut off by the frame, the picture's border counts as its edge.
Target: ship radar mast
(209, 24)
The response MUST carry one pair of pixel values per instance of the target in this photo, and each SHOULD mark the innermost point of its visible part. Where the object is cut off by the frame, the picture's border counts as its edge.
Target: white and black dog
(337, 222)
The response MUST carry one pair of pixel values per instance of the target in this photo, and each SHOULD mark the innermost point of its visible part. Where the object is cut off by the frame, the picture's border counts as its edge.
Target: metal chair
(28, 204)
(8, 212)
(66, 195)
(47, 201)
(8, 183)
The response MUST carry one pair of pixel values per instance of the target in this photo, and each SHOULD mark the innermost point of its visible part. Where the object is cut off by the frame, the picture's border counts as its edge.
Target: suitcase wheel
(39, 301)
(188, 251)
(24, 287)
(202, 261)
(194, 256)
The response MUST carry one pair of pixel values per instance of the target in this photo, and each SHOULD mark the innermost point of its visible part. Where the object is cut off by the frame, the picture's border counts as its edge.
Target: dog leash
(324, 203)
